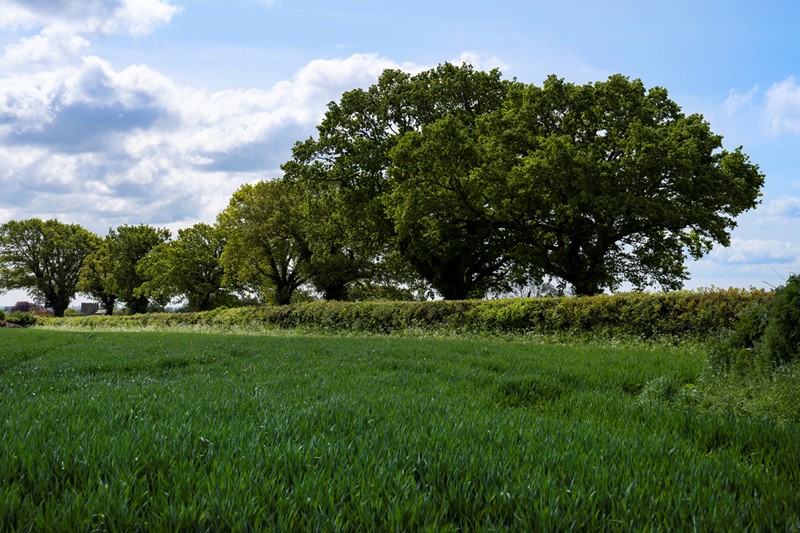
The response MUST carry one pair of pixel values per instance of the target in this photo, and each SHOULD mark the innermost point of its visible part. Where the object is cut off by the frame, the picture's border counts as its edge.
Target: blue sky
(155, 111)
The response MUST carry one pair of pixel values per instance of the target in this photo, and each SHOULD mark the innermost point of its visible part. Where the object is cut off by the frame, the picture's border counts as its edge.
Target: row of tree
(452, 180)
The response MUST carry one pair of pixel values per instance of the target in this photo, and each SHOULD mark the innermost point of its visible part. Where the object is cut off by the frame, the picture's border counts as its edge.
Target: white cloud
(756, 251)
(135, 17)
(737, 100)
(143, 16)
(480, 62)
(53, 46)
(25, 101)
(14, 15)
(787, 207)
(87, 143)
(782, 108)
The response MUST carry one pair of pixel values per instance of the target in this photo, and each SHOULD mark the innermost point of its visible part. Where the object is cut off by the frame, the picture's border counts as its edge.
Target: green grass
(169, 431)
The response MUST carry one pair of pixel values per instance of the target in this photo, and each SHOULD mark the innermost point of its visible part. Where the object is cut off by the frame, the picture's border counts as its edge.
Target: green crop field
(180, 431)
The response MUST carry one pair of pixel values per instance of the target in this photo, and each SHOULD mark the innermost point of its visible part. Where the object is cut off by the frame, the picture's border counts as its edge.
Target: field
(168, 431)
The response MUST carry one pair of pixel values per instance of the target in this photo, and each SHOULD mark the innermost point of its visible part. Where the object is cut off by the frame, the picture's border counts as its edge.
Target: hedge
(693, 314)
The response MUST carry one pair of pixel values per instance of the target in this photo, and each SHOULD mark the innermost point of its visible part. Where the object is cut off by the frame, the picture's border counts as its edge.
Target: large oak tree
(393, 158)
(123, 249)
(610, 182)
(44, 258)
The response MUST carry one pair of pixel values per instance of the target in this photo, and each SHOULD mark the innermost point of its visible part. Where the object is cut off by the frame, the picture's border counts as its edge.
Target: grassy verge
(111, 430)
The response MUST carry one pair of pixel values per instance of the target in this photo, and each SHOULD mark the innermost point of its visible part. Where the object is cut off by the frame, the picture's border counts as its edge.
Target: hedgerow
(21, 318)
(691, 314)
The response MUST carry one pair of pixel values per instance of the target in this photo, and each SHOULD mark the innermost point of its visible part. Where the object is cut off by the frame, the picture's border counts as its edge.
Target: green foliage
(189, 267)
(466, 176)
(21, 318)
(2, 315)
(442, 208)
(395, 162)
(754, 366)
(766, 335)
(110, 431)
(267, 246)
(743, 383)
(677, 315)
(674, 314)
(71, 312)
(782, 332)
(341, 252)
(44, 258)
(118, 273)
(610, 182)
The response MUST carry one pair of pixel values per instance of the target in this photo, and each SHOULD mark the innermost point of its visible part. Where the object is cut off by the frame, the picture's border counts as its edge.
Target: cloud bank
(83, 142)
(135, 17)
(756, 251)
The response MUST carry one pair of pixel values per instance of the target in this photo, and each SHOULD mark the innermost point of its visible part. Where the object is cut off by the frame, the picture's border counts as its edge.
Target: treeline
(452, 182)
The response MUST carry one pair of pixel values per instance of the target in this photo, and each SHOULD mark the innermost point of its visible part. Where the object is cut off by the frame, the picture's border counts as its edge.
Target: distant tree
(266, 247)
(96, 278)
(44, 258)
(126, 247)
(189, 267)
(611, 182)
(24, 307)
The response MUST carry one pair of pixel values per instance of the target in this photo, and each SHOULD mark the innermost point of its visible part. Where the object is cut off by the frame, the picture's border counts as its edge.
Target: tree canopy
(467, 176)
(125, 247)
(188, 267)
(44, 258)
(267, 248)
(610, 182)
(399, 157)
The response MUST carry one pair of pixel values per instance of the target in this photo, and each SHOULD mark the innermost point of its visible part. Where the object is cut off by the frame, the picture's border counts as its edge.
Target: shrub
(2, 316)
(21, 318)
(766, 335)
(781, 337)
(24, 307)
(751, 325)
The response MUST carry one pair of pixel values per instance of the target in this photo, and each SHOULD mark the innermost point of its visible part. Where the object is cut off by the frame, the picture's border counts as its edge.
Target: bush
(71, 312)
(766, 335)
(24, 307)
(781, 337)
(2, 316)
(21, 318)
